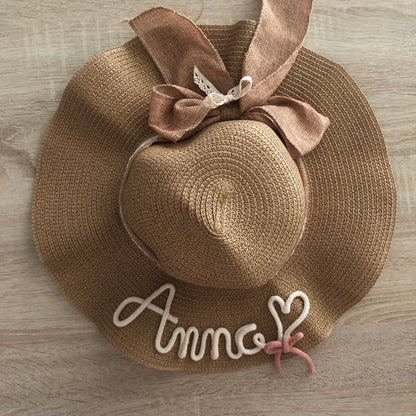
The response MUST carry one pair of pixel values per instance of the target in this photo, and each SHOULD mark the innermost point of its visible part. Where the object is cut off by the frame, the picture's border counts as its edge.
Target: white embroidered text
(190, 337)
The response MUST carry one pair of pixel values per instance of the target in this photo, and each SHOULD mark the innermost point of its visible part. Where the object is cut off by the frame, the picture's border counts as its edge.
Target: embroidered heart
(285, 308)
(285, 341)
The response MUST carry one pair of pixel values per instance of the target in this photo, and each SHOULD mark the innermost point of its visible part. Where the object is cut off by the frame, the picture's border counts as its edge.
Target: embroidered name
(190, 337)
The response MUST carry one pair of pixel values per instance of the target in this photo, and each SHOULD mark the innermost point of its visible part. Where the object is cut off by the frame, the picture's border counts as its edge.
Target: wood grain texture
(54, 362)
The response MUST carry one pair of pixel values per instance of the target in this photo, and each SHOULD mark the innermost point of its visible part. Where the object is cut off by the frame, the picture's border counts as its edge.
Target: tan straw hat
(211, 196)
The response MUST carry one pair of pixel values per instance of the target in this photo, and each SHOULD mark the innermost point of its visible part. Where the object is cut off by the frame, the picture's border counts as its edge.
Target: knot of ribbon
(178, 47)
(177, 113)
(277, 348)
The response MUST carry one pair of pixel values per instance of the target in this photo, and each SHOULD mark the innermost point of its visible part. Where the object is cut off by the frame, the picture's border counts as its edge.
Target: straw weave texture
(224, 209)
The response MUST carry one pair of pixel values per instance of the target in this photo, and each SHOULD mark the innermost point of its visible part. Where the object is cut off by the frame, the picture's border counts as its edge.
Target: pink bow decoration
(176, 45)
(178, 112)
(285, 346)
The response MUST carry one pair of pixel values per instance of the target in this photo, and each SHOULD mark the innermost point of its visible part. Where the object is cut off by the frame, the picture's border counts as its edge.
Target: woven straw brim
(101, 120)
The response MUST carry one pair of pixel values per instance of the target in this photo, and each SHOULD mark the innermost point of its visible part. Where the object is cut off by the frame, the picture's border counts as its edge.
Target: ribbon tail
(176, 45)
(275, 46)
(299, 124)
(305, 356)
(277, 362)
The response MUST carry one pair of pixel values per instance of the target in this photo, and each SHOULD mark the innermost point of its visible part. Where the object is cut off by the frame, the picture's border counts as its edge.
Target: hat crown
(222, 209)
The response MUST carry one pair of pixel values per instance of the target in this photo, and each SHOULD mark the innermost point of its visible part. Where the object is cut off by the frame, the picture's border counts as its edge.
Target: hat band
(143, 247)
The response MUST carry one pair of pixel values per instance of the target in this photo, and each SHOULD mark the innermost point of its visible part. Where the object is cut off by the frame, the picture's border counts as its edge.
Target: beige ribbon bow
(178, 46)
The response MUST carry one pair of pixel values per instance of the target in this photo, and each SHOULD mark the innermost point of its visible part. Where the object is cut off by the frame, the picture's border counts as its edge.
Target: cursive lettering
(188, 339)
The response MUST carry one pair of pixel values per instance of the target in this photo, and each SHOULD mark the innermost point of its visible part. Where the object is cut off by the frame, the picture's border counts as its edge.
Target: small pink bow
(285, 346)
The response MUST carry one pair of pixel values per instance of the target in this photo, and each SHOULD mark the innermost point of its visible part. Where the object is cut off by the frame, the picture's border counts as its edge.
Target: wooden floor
(54, 362)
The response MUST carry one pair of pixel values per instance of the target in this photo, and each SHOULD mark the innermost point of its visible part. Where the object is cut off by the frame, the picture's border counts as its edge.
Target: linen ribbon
(178, 109)
(277, 348)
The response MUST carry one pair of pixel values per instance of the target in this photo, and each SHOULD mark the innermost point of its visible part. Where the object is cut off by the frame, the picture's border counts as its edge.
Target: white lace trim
(215, 98)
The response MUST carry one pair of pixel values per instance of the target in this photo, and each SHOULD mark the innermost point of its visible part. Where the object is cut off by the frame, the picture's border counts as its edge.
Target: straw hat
(211, 196)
